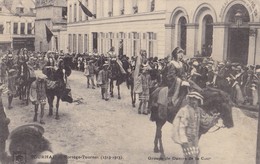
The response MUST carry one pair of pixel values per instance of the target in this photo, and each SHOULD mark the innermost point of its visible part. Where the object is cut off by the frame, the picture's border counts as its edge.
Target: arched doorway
(182, 33)
(238, 34)
(207, 38)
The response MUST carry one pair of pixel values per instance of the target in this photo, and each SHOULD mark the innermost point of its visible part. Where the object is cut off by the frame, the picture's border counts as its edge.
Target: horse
(216, 101)
(130, 85)
(25, 78)
(56, 85)
(230, 84)
(116, 75)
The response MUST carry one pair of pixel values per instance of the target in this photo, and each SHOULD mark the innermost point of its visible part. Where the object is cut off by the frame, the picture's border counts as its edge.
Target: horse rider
(23, 58)
(176, 76)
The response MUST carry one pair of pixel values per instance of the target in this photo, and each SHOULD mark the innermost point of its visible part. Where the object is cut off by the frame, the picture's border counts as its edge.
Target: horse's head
(217, 101)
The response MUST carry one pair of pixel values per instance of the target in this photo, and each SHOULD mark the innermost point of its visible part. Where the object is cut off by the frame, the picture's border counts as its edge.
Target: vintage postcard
(129, 81)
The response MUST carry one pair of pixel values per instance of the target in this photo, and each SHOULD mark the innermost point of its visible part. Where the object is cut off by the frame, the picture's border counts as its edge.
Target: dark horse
(130, 85)
(25, 80)
(216, 101)
(56, 85)
(116, 75)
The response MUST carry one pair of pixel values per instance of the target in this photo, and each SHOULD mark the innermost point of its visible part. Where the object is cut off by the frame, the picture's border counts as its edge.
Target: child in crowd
(103, 81)
(143, 81)
(38, 95)
(90, 72)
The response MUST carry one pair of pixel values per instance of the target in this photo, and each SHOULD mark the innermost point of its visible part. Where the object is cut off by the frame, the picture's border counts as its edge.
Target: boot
(35, 117)
(42, 114)
(36, 113)
(10, 99)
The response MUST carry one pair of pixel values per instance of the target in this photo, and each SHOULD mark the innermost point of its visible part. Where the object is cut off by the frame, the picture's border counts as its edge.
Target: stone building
(223, 29)
(127, 25)
(53, 14)
(16, 24)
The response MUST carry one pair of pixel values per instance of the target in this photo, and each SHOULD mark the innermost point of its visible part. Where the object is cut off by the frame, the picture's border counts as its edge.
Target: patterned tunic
(186, 125)
(145, 80)
(103, 78)
(38, 91)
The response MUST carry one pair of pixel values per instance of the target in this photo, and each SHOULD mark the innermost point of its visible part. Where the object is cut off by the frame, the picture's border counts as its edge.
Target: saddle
(51, 84)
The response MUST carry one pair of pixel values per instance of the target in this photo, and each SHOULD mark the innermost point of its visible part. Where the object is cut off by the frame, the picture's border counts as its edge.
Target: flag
(86, 11)
(49, 34)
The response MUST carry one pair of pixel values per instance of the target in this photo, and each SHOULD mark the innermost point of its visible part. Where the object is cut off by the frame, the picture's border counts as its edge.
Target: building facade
(16, 24)
(127, 25)
(53, 14)
(223, 29)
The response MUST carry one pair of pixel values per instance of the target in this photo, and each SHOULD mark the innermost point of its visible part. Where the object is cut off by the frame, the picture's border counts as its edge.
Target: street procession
(131, 81)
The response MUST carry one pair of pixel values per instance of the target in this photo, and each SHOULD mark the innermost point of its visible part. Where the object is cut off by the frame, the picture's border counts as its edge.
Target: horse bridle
(216, 125)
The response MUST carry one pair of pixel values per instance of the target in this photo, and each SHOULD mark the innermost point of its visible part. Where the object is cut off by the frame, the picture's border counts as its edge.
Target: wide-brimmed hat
(196, 95)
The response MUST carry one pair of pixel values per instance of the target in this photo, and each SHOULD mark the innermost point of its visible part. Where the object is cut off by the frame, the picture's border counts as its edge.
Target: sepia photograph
(129, 81)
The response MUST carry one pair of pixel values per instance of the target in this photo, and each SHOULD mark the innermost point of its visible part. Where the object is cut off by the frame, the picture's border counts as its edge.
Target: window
(1, 28)
(80, 44)
(29, 28)
(152, 5)
(151, 44)
(122, 7)
(74, 43)
(135, 43)
(32, 10)
(80, 13)
(121, 35)
(70, 43)
(75, 13)
(70, 12)
(86, 42)
(15, 28)
(20, 10)
(64, 12)
(56, 43)
(40, 46)
(86, 4)
(111, 36)
(207, 35)
(22, 28)
(8, 28)
(135, 7)
(110, 12)
(95, 9)
(102, 40)
(182, 28)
